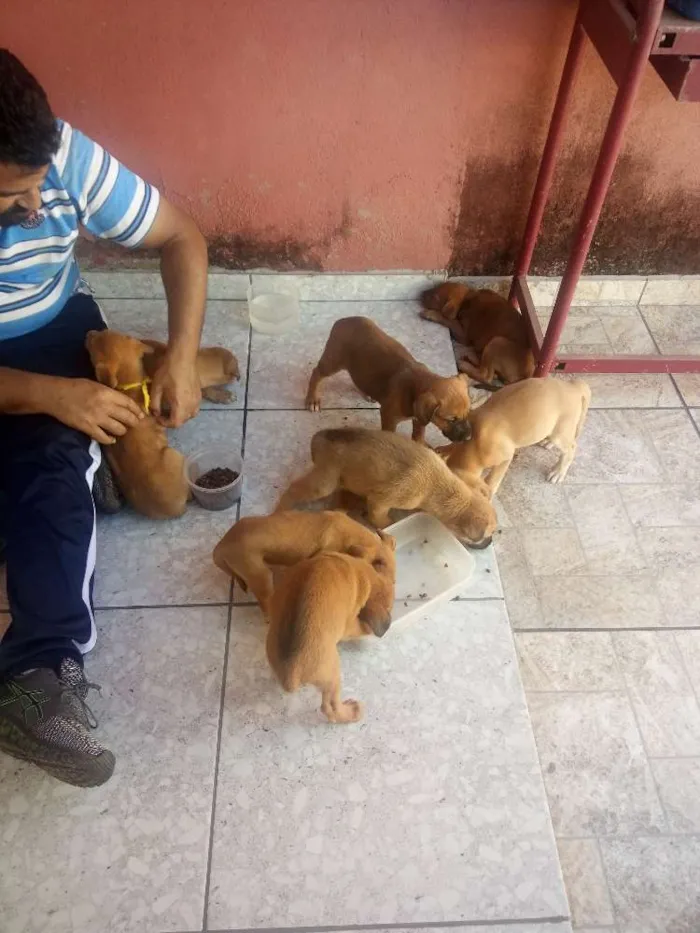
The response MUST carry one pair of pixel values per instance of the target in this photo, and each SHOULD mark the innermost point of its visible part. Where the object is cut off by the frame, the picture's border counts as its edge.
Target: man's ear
(425, 407)
(106, 373)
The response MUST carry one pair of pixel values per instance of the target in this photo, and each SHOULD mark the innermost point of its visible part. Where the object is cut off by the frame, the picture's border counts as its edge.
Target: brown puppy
(486, 322)
(254, 544)
(535, 411)
(385, 372)
(216, 366)
(391, 472)
(150, 474)
(318, 603)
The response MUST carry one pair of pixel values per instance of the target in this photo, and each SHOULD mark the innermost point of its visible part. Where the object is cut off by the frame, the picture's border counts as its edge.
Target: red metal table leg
(609, 151)
(551, 148)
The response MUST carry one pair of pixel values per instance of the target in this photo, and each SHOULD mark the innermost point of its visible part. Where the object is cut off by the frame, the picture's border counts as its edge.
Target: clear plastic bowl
(225, 497)
(273, 312)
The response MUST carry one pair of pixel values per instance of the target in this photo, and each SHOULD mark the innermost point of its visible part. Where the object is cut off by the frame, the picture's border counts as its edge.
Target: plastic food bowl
(274, 312)
(210, 459)
(431, 565)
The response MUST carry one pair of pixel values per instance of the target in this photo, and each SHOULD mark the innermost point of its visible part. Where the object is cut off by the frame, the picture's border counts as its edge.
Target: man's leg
(46, 472)
(47, 475)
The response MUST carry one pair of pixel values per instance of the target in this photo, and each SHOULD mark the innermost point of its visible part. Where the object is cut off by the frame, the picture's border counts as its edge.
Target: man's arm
(89, 407)
(176, 392)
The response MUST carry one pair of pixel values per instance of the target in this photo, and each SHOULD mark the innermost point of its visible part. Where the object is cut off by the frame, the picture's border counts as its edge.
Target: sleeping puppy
(385, 372)
(486, 322)
(319, 602)
(391, 472)
(216, 367)
(536, 411)
(150, 474)
(255, 544)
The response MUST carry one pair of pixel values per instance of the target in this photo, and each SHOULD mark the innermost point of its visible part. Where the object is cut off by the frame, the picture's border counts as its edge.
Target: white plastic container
(275, 311)
(431, 565)
(211, 458)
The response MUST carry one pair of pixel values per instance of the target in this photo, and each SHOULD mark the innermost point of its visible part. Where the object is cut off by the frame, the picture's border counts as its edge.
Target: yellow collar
(143, 385)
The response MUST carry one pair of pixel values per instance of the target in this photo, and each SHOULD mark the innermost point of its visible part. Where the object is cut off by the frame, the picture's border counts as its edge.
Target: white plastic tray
(431, 565)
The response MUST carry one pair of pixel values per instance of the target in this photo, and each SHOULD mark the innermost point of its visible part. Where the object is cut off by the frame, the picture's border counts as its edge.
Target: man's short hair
(29, 135)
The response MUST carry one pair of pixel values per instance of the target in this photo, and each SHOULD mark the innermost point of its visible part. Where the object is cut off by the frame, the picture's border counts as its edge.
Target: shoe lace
(76, 693)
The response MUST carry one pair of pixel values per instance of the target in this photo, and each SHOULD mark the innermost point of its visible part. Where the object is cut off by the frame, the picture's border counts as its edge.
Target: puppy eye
(379, 563)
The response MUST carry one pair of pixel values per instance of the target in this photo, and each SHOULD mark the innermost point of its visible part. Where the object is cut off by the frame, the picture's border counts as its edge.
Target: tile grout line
(681, 397)
(686, 671)
(515, 923)
(645, 834)
(639, 628)
(217, 756)
(645, 748)
(606, 880)
(157, 606)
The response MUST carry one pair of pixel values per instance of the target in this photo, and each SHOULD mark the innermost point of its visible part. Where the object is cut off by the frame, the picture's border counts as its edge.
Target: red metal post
(546, 172)
(612, 142)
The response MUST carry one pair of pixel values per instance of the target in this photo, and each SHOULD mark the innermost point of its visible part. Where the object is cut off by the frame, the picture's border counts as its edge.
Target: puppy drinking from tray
(548, 411)
(392, 472)
(385, 372)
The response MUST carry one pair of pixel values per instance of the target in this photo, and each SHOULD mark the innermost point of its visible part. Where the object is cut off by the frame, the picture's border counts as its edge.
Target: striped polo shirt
(84, 186)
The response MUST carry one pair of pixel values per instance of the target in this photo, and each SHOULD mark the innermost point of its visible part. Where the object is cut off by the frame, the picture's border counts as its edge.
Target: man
(53, 416)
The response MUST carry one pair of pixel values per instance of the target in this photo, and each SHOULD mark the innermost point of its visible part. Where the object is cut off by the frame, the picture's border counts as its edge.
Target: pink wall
(362, 134)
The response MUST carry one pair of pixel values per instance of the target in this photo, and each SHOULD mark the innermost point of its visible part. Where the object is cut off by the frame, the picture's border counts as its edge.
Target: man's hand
(176, 392)
(98, 411)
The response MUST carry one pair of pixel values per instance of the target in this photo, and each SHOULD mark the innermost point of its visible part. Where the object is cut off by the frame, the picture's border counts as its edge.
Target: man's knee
(56, 462)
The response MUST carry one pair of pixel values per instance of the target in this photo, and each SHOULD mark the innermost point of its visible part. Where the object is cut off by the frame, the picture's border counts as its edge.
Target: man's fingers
(102, 437)
(128, 404)
(125, 416)
(175, 415)
(114, 426)
(156, 399)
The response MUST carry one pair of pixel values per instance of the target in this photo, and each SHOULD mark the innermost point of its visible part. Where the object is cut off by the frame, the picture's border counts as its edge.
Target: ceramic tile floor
(233, 805)
(602, 585)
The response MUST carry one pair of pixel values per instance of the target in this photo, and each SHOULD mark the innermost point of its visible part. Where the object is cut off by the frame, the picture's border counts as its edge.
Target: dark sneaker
(105, 492)
(45, 719)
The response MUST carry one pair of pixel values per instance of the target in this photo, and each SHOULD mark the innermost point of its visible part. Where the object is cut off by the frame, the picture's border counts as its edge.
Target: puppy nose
(460, 431)
(480, 545)
(383, 627)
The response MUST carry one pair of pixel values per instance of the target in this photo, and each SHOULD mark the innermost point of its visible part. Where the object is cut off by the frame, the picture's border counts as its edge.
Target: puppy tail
(585, 402)
(488, 386)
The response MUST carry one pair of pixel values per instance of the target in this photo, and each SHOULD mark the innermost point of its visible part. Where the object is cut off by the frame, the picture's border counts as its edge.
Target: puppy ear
(106, 373)
(390, 540)
(425, 407)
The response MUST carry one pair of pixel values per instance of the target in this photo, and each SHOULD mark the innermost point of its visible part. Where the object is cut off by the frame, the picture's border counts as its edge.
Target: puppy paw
(547, 444)
(352, 711)
(555, 476)
(313, 404)
(218, 395)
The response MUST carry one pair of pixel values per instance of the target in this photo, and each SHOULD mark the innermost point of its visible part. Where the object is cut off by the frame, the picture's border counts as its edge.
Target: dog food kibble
(216, 478)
